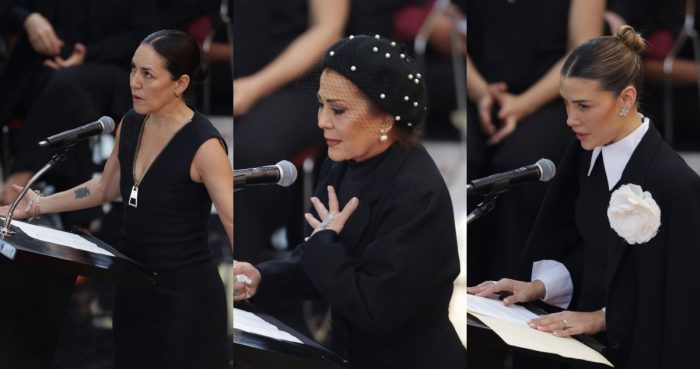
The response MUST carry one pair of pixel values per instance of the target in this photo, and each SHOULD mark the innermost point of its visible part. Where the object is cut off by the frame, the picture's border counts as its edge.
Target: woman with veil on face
(381, 246)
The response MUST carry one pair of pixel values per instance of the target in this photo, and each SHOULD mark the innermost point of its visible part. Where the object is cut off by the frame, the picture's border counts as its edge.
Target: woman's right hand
(250, 280)
(521, 291)
(22, 210)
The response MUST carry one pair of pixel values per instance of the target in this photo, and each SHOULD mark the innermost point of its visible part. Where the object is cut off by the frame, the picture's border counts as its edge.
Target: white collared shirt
(559, 287)
(618, 154)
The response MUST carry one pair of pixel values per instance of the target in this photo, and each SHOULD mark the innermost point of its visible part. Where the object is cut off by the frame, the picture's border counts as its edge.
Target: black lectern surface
(25, 250)
(254, 351)
(36, 282)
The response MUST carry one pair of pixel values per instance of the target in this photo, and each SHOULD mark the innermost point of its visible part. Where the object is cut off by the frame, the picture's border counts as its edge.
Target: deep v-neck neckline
(133, 197)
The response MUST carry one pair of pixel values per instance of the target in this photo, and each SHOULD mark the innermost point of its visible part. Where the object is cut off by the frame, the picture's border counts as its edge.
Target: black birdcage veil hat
(383, 71)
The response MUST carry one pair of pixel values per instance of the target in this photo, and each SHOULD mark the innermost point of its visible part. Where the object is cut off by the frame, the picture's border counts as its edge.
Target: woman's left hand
(330, 218)
(569, 323)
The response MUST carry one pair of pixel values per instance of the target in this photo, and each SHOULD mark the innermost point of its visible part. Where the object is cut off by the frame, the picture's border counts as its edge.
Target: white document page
(59, 237)
(510, 323)
(252, 323)
(497, 309)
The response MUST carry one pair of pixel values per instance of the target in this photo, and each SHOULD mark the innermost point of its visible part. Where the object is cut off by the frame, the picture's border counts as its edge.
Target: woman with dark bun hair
(614, 242)
(383, 252)
(168, 164)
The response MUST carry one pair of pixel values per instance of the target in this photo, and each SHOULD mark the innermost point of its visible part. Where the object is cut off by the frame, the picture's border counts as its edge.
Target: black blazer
(388, 276)
(651, 292)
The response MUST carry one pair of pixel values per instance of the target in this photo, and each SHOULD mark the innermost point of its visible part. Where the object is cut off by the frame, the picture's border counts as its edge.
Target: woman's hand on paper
(521, 291)
(570, 323)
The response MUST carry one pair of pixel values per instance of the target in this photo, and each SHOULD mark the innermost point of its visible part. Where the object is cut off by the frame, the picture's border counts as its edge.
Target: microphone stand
(55, 159)
(489, 201)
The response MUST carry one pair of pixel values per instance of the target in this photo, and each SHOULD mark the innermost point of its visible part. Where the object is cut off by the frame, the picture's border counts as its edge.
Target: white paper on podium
(59, 237)
(252, 323)
(510, 323)
(497, 309)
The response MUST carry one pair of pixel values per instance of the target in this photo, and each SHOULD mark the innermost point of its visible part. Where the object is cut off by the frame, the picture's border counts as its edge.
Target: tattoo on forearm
(82, 192)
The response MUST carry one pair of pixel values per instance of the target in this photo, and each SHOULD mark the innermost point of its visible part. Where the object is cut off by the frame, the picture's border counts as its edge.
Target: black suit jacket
(388, 276)
(651, 296)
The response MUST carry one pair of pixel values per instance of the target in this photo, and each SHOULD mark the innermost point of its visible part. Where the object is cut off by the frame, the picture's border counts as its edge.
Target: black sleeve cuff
(18, 15)
(324, 236)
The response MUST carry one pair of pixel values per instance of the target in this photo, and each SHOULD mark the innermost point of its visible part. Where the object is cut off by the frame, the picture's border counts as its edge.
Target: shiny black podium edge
(36, 283)
(481, 337)
(255, 351)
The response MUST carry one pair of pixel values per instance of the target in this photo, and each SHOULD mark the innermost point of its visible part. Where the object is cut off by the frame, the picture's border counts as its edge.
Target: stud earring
(624, 111)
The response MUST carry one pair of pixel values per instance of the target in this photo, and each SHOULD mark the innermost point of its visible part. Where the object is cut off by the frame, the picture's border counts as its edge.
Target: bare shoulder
(211, 158)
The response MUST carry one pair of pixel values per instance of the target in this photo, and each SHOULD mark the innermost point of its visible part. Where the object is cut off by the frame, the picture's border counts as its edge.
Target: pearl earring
(624, 111)
(382, 135)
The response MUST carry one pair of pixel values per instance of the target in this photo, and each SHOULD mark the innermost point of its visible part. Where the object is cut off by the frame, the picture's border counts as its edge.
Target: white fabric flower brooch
(634, 214)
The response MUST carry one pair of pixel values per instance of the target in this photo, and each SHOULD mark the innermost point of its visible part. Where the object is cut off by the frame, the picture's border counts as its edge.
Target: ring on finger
(566, 325)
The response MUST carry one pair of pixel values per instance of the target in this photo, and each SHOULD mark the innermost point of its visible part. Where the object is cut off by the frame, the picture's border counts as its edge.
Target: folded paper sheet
(510, 323)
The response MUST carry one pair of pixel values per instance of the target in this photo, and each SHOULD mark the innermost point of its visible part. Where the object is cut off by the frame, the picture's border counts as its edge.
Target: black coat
(388, 276)
(650, 289)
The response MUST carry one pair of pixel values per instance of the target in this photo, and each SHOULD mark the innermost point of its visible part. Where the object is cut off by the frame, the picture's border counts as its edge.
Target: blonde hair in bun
(612, 61)
(630, 38)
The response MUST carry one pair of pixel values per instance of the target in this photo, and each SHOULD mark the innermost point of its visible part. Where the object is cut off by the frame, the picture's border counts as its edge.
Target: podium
(255, 351)
(36, 282)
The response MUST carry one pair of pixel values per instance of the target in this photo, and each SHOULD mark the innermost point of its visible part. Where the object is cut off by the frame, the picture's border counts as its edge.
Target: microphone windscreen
(288, 173)
(107, 123)
(547, 169)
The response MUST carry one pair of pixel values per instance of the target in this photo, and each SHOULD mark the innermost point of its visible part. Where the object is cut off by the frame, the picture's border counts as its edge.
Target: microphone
(543, 171)
(103, 125)
(283, 173)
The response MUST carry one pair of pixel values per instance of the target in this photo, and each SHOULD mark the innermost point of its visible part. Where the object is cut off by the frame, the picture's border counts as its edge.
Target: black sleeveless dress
(181, 321)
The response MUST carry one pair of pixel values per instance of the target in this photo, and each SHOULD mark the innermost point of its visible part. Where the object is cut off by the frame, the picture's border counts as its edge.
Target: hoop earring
(624, 111)
(177, 95)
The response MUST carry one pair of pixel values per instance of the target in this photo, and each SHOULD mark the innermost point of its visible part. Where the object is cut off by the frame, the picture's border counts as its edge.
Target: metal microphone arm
(55, 159)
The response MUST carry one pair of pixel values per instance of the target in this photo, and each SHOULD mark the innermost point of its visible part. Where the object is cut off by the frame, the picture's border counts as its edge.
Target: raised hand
(330, 218)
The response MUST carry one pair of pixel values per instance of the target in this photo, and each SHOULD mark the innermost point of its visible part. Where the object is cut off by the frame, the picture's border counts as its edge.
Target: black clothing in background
(374, 17)
(517, 44)
(181, 321)
(388, 276)
(263, 29)
(278, 127)
(648, 16)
